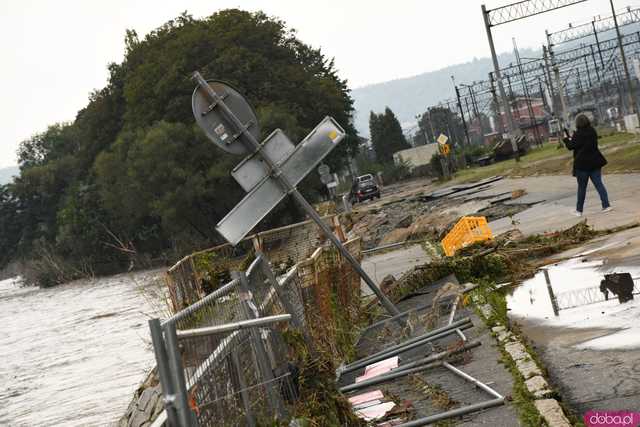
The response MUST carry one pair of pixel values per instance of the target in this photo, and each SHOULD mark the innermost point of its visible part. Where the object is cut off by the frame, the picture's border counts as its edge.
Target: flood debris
(431, 216)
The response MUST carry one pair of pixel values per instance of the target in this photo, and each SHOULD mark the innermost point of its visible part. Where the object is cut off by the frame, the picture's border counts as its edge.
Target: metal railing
(223, 361)
(191, 278)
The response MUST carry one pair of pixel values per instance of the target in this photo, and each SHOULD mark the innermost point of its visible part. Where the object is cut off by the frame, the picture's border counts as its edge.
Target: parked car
(364, 187)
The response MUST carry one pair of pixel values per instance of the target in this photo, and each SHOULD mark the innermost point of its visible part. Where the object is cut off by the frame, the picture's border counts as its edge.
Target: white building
(417, 156)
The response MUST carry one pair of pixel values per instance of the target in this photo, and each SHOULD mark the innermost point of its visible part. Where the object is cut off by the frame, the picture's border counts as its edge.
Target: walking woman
(588, 162)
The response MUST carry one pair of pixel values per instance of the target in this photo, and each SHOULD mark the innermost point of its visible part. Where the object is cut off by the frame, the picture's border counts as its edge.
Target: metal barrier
(223, 361)
(198, 274)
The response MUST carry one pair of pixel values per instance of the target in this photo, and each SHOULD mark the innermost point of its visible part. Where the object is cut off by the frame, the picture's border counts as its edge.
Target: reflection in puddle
(575, 283)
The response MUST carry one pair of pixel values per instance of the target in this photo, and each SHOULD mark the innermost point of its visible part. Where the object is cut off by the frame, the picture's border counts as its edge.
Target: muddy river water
(74, 354)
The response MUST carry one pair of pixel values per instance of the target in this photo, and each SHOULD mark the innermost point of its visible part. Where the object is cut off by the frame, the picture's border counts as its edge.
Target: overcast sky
(54, 53)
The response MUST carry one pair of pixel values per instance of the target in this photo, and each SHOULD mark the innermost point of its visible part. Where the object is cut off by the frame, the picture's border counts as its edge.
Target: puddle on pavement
(575, 284)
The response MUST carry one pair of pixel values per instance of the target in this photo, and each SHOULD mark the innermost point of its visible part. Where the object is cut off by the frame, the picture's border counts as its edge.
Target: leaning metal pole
(503, 95)
(291, 189)
(497, 400)
(561, 89)
(632, 97)
(464, 122)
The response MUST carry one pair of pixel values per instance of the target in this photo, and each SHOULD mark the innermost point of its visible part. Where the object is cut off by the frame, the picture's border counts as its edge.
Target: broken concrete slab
(468, 208)
(552, 413)
(405, 221)
(396, 236)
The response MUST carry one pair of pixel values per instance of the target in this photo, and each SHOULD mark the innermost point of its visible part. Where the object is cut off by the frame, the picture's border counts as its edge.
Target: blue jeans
(583, 180)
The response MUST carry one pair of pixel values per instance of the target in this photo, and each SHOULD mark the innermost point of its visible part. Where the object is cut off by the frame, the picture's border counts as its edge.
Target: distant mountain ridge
(412, 95)
(7, 174)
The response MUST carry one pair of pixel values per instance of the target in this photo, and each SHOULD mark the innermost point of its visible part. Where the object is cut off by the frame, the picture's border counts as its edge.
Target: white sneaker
(577, 213)
(609, 209)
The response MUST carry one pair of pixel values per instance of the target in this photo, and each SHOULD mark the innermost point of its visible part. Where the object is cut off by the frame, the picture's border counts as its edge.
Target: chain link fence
(201, 273)
(218, 368)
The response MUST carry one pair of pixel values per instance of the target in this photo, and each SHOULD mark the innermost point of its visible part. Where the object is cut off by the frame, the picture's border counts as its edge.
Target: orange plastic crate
(468, 230)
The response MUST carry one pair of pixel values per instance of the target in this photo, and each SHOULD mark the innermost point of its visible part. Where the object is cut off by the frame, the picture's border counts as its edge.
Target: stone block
(505, 336)
(528, 368)
(146, 397)
(516, 350)
(485, 310)
(552, 413)
(138, 419)
(538, 386)
(498, 329)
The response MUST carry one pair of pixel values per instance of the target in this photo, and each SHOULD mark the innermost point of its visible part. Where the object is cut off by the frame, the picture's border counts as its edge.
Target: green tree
(133, 169)
(441, 120)
(11, 223)
(386, 135)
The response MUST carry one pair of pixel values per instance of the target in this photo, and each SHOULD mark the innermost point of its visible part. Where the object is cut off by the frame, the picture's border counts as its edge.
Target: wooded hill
(132, 177)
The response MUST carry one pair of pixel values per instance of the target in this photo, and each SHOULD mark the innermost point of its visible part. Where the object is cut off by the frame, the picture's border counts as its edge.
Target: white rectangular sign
(269, 192)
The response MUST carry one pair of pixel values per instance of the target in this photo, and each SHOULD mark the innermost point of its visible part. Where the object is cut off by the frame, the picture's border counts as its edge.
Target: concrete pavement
(554, 199)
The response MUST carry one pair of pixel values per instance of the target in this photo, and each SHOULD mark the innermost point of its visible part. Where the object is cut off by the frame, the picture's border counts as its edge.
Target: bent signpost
(272, 168)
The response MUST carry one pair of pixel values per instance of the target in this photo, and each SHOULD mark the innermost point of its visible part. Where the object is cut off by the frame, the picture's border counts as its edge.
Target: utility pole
(466, 104)
(497, 117)
(556, 73)
(595, 34)
(621, 102)
(433, 133)
(592, 88)
(511, 129)
(464, 122)
(532, 117)
(632, 97)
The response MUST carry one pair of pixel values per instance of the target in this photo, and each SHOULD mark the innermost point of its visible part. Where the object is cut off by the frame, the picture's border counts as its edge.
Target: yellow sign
(442, 139)
(444, 149)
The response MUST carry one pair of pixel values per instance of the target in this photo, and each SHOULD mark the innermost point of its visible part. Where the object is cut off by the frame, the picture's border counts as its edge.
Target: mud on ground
(418, 213)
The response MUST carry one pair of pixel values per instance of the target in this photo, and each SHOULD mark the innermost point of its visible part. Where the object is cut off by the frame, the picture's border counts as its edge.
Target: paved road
(555, 198)
(586, 378)
(396, 262)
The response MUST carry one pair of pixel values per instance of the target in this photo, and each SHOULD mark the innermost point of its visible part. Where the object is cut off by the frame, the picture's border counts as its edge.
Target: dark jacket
(586, 155)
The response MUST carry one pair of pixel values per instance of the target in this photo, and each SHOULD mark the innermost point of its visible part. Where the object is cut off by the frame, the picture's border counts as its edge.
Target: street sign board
(216, 125)
(233, 127)
(325, 179)
(442, 139)
(323, 169)
(253, 169)
(268, 192)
